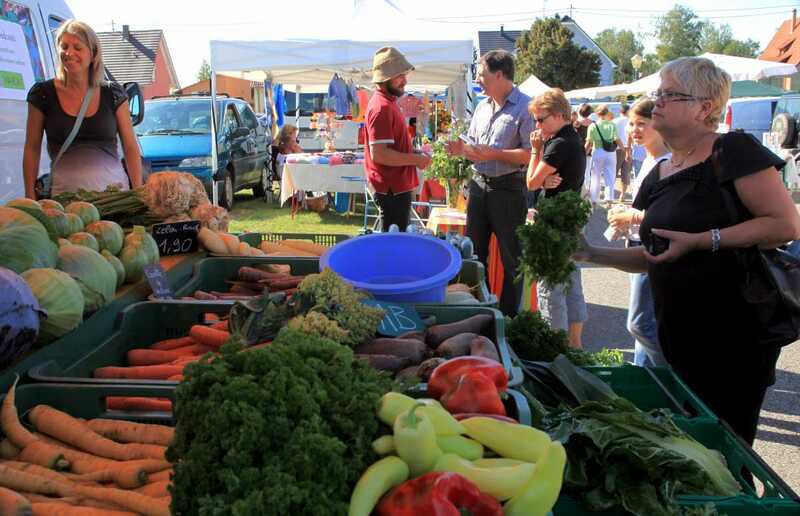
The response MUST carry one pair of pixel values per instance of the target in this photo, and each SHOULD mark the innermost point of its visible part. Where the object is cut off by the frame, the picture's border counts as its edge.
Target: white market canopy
(312, 63)
(532, 86)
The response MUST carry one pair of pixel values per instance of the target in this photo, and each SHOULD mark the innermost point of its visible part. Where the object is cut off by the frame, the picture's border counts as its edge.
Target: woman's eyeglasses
(673, 96)
(542, 119)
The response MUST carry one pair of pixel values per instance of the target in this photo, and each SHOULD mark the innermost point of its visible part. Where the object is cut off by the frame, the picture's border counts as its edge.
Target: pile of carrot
(68, 466)
(252, 282)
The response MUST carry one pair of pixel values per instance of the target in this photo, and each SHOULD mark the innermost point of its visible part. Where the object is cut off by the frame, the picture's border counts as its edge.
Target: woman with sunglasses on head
(558, 164)
(91, 161)
(707, 329)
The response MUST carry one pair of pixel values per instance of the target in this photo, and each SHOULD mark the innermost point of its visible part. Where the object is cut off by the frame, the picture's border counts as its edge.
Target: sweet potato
(481, 346)
(441, 332)
(411, 349)
(456, 346)
(426, 368)
(416, 335)
(386, 362)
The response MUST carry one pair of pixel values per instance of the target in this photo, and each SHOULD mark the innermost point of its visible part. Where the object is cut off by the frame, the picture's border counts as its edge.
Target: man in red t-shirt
(389, 159)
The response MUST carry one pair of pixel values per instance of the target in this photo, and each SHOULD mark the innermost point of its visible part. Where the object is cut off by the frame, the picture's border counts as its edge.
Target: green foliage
(204, 73)
(621, 45)
(679, 32)
(447, 167)
(317, 324)
(284, 429)
(718, 39)
(549, 243)
(547, 51)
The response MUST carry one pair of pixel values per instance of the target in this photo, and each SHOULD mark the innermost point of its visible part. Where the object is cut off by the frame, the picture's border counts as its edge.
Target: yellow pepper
(393, 404)
(415, 441)
(501, 482)
(374, 483)
(509, 440)
(541, 493)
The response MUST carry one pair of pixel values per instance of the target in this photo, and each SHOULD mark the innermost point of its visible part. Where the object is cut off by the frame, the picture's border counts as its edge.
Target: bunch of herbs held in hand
(549, 243)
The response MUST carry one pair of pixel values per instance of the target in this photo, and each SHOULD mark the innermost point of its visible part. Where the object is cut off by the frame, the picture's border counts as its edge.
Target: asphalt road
(778, 441)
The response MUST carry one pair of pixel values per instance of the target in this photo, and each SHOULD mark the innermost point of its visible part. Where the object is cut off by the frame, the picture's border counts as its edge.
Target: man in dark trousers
(389, 158)
(499, 147)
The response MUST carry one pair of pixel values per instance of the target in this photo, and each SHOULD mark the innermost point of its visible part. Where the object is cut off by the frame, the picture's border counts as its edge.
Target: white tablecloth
(321, 178)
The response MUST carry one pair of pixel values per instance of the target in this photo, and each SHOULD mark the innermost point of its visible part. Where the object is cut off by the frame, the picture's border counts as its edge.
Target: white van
(28, 55)
(752, 115)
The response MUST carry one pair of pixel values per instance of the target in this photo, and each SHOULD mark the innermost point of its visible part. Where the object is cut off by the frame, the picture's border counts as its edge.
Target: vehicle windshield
(176, 117)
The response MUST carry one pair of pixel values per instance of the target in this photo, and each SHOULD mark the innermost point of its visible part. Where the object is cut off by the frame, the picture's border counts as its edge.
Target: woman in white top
(641, 313)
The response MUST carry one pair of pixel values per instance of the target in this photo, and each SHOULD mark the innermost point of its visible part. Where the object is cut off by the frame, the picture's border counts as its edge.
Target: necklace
(675, 165)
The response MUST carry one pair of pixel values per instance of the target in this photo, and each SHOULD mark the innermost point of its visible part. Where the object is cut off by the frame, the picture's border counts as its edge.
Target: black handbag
(770, 284)
(607, 146)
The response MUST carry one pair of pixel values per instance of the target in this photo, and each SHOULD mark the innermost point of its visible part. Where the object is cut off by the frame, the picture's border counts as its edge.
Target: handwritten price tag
(399, 319)
(176, 237)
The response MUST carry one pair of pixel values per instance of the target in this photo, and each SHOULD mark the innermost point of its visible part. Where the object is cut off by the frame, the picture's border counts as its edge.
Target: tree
(679, 32)
(205, 71)
(547, 51)
(718, 39)
(621, 46)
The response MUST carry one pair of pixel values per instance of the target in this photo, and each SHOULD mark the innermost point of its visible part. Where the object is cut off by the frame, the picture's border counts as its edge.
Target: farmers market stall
(324, 172)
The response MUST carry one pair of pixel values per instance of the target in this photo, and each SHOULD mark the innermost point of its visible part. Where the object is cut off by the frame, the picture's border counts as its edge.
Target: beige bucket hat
(388, 63)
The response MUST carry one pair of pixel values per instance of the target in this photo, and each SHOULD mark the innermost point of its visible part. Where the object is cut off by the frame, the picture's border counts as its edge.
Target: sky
(189, 26)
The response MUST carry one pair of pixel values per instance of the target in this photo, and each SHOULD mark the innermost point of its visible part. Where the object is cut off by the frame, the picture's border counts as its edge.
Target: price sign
(176, 237)
(157, 278)
(399, 319)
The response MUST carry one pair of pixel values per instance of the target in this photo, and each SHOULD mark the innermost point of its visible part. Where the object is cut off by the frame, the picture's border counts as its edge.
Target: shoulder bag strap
(75, 128)
(599, 133)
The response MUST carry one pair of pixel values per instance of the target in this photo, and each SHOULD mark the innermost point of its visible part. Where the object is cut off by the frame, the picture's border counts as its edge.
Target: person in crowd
(389, 158)
(623, 163)
(91, 161)
(500, 128)
(556, 151)
(707, 330)
(641, 313)
(287, 140)
(604, 162)
(582, 128)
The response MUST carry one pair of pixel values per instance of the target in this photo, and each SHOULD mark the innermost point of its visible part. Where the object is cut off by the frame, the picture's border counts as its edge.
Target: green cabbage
(85, 210)
(50, 204)
(26, 247)
(85, 239)
(60, 221)
(94, 274)
(12, 218)
(109, 235)
(138, 250)
(24, 202)
(43, 219)
(118, 267)
(60, 296)
(75, 223)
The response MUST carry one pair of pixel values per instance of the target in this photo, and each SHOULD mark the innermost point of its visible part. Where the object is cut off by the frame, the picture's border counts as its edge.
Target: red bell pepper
(446, 375)
(474, 392)
(438, 494)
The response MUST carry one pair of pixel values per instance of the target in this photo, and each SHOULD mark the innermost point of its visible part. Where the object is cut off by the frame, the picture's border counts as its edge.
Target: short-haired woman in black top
(91, 161)
(706, 329)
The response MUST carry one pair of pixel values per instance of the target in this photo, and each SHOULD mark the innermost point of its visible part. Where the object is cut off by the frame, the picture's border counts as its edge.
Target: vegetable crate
(654, 388)
(778, 498)
(140, 325)
(212, 273)
(89, 401)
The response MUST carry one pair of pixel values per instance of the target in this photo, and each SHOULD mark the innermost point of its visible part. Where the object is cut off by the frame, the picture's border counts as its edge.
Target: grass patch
(254, 215)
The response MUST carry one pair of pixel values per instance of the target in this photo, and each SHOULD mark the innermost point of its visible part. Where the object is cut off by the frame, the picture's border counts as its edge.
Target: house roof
(506, 39)
(785, 44)
(134, 58)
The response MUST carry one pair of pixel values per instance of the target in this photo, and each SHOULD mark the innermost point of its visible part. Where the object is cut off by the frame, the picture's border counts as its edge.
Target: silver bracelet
(715, 240)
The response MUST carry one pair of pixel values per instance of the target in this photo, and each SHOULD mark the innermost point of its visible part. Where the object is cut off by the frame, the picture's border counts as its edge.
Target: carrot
(209, 336)
(284, 284)
(161, 475)
(193, 350)
(221, 325)
(256, 275)
(203, 296)
(8, 450)
(35, 469)
(141, 357)
(210, 317)
(13, 503)
(138, 404)
(168, 344)
(126, 476)
(9, 420)
(56, 508)
(66, 428)
(155, 489)
(151, 372)
(44, 454)
(129, 432)
(176, 378)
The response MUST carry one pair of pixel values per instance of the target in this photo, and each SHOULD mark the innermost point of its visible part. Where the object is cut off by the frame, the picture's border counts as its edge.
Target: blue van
(176, 135)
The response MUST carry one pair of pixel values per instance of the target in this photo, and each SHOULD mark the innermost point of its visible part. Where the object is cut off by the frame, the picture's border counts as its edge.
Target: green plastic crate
(777, 499)
(638, 386)
(212, 273)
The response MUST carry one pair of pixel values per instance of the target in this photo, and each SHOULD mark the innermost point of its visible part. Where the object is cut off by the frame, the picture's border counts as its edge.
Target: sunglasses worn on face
(542, 119)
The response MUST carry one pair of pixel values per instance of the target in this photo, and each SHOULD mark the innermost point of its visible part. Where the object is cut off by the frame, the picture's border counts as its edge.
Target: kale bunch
(549, 243)
(284, 430)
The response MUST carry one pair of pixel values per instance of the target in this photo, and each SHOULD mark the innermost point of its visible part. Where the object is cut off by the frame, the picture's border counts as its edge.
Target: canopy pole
(214, 156)
(297, 107)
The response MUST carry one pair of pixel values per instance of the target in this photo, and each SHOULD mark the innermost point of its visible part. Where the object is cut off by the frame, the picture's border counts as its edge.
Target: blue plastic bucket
(397, 267)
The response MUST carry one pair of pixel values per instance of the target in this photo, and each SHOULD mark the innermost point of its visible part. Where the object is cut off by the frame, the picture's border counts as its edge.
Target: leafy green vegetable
(24, 202)
(95, 276)
(85, 210)
(85, 239)
(75, 223)
(138, 250)
(620, 455)
(59, 220)
(109, 235)
(284, 429)
(549, 243)
(58, 295)
(26, 247)
(118, 267)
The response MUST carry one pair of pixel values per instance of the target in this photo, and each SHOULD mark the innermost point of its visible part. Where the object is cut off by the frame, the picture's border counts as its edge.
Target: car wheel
(263, 187)
(784, 130)
(226, 197)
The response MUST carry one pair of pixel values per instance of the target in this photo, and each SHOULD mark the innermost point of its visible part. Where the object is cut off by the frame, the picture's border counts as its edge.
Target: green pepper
(461, 446)
(374, 483)
(509, 440)
(541, 492)
(383, 445)
(415, 441)
(393, 404)
(501, 482)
